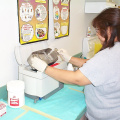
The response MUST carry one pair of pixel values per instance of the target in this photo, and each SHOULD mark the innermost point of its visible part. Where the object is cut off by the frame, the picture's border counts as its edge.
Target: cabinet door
(93, 6)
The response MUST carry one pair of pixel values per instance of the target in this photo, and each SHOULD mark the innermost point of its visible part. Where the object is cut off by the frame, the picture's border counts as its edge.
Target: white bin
(16, 97)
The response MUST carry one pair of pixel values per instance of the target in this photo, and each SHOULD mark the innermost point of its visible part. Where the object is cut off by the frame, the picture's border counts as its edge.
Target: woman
(100, 74)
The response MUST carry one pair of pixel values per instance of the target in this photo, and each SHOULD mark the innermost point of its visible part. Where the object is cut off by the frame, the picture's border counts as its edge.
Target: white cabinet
(97, 7)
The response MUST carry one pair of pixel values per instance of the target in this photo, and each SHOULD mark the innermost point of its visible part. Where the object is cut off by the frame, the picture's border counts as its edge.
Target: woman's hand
(38, 64)
(65, 56)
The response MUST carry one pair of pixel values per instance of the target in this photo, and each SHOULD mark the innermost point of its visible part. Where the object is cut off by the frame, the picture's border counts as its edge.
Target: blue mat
(66, 104)
(33, 116)
(77, 87)
(11, 113)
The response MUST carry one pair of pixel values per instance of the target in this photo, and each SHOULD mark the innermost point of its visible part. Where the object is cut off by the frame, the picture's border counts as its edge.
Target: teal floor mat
(12, 113)
(32, 116)
(66, 104)
(76, 87)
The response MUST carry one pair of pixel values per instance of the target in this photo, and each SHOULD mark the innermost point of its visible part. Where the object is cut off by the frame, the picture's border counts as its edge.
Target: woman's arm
(78, 61)
(73, 60)
(68, 77)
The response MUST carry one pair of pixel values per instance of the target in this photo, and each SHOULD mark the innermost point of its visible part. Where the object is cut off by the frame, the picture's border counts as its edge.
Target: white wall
(10, 38)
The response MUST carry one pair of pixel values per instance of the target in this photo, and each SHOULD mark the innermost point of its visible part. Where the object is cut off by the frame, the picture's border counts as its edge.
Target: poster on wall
(33, 20)
(61, 12)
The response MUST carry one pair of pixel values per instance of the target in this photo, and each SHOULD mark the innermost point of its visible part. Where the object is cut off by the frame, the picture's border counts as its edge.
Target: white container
(16, 97)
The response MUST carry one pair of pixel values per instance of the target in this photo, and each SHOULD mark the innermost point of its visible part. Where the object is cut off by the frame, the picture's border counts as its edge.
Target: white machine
(37, 84)
(90, 46)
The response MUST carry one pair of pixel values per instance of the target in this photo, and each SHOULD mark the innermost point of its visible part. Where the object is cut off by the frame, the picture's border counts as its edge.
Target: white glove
(63, 53)
(70, 67)
(38, 64)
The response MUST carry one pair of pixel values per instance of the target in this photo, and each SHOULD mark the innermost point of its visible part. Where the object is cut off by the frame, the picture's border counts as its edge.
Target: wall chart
(33, 20)
(61, 12)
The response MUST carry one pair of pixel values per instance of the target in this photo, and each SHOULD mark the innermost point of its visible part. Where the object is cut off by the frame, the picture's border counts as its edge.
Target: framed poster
(61, 12)
(33, 20)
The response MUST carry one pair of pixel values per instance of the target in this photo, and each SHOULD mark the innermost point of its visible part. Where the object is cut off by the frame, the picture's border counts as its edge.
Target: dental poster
(33, 20)
(61, 12)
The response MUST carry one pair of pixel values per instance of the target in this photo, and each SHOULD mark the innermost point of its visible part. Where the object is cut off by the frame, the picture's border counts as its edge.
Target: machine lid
(23, 52)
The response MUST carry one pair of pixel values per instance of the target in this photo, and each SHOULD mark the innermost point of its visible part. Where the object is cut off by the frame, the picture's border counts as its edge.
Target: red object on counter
(55, 64)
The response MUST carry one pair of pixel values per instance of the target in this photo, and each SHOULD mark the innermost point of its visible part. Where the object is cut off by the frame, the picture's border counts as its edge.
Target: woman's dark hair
(108, 18)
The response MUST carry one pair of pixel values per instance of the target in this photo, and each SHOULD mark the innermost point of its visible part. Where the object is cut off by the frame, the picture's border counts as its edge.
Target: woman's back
(103, 95)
